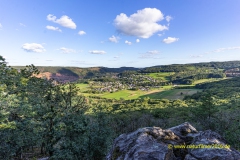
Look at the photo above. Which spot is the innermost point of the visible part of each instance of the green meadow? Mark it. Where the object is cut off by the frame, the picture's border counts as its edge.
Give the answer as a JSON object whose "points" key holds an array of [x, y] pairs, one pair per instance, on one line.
{"points": [[82, 86], [165, 92], [207, 80], [172, 94], [161, 75]]}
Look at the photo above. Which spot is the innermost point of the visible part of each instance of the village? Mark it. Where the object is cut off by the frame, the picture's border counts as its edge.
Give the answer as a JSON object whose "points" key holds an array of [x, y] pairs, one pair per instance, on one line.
{"points": [[133, 82]]}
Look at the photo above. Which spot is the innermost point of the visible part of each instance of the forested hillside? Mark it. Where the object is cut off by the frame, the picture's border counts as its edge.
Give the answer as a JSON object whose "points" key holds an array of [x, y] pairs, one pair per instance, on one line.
{"points": [[184, 72], [66, 74], [41, 118]]}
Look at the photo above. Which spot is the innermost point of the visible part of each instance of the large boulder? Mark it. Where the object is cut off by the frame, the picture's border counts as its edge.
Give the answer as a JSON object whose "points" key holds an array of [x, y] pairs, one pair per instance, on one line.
{"points": [[179, 142], [210, 145]]}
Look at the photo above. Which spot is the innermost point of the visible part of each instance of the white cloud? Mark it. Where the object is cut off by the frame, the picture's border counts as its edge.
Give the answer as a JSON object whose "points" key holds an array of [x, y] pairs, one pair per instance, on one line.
{"points": [[81, 33], [78, 61], [170, 40], [141, 24], [53, 28], [127, 42], [21, 24], [196, 56], [33, 47], [168, 18], [82, 62], [137, 40], [130, 62], [114, 39], [115, 58], [51, 17], [225, 49], [222, 50], [97, 52], [160, 35], [1, 26], [150, 54], [153, 52], [64, 21], [67, 50]]}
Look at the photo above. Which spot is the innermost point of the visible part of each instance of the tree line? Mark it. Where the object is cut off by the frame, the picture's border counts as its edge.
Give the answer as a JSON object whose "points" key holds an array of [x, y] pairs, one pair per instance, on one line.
{"points": [[40, 118]]}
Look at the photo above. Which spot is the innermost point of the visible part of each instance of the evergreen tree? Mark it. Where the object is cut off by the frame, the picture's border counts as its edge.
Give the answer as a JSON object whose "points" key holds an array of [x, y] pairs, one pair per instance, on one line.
{"points": [[204, 111]]}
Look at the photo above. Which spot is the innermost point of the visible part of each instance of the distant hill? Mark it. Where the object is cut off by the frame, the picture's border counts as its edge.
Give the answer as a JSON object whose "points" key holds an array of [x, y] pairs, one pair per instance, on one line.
{"points": [[64, 74], [70, 74]]}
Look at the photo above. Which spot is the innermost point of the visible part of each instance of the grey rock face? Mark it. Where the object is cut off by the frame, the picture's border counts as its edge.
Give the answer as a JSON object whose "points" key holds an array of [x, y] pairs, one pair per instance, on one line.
{"points": [[215, 147], [179, 142]]}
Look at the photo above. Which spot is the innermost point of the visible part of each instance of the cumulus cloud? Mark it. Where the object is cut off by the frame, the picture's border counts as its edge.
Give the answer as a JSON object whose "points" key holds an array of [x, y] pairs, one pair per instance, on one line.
{"points": [[33, 47], [67, 50], [127, 42], [170, 40], [64, 21], [53, 28], [81, 33], [168, 18], [137, 40], [113, 39], [141, 24], [150, 54], [97, 52]]}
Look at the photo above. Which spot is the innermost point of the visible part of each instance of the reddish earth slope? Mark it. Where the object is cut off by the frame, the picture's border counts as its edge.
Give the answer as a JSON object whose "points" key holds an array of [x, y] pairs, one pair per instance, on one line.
{"points": [[58, 77]]}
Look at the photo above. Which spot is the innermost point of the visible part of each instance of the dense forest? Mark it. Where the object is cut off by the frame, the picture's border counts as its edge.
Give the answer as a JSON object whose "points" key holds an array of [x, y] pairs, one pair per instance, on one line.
{"points": [[42, 118]]}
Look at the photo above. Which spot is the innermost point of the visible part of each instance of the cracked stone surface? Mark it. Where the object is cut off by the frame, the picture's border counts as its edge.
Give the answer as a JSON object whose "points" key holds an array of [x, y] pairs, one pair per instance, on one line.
{"points": [[154, 143]]}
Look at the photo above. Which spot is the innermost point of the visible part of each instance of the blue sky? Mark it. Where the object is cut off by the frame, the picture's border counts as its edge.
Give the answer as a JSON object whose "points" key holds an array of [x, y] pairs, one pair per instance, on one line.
{"points": [[116, 33]]}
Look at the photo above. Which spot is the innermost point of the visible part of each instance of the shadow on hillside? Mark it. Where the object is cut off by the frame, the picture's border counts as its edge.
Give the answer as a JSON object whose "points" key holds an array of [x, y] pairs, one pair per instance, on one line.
{"points": [[64, 75], [67, 72], [155, 95], [173, 94]]}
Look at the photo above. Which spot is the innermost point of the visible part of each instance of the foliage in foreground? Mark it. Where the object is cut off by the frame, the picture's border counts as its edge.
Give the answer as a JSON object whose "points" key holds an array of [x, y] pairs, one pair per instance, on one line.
{"points": [[36, 115], [39, 117]]}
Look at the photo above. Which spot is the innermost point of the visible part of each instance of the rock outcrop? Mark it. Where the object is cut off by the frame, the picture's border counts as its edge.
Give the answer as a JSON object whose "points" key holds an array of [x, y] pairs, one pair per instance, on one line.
{"points": [[176, 143]]}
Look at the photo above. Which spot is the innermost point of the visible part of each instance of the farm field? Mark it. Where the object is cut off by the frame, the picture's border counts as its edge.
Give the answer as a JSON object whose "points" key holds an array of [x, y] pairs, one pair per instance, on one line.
{"points": [[161, 75], [125, 94], [82, 86], [129, 94], [207, 80], [166, 92], [172, 94]]}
